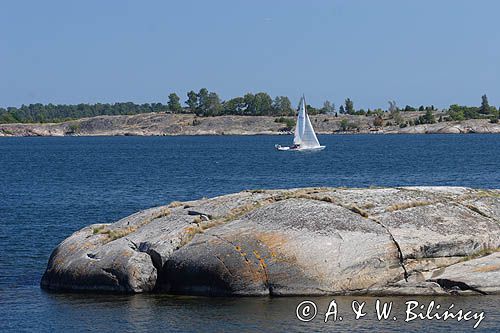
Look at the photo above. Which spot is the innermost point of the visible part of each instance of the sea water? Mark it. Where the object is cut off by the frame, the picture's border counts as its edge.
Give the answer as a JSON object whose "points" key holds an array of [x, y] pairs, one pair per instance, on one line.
{"points": [[51, 187]]}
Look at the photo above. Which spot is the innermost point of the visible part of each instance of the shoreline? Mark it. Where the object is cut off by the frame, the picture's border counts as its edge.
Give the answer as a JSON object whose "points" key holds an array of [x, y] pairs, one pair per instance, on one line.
{"points": [[164, 124], [236, 134]]}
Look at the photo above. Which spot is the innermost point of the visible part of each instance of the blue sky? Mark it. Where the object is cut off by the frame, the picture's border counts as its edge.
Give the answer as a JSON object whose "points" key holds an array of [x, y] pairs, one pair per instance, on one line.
{"points": [[415, 52]]}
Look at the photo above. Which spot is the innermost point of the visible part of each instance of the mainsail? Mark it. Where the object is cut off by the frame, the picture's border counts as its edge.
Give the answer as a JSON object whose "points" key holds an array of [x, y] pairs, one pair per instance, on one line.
{"points": [[299, 128]]}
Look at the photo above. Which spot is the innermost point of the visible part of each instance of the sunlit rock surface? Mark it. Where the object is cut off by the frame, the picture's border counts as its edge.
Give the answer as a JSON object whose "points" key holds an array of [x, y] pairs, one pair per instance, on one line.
{"points": [[312, 241]]}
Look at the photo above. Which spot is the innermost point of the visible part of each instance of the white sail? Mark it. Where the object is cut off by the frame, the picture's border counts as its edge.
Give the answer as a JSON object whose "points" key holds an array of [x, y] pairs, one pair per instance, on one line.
{"points": [[309, 139], [299, 128]]}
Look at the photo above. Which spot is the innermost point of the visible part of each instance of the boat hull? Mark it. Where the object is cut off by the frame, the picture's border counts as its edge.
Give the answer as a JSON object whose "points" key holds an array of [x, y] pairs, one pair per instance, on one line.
{"points": [[280, 148], [312, 149]]}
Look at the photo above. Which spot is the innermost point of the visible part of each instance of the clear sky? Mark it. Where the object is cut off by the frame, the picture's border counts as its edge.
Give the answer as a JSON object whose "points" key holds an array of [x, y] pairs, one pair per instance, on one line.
{"points": [[415, 52]]}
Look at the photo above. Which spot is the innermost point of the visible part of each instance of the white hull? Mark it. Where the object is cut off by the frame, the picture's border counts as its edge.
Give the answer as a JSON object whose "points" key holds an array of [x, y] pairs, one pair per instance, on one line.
{"points": [[280, 148], [312, 149]]}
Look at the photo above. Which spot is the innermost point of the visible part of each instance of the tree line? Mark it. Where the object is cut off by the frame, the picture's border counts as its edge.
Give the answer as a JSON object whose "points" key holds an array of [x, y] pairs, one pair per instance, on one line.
{"points": [[202, 103], [205, 104], [42, 113]]}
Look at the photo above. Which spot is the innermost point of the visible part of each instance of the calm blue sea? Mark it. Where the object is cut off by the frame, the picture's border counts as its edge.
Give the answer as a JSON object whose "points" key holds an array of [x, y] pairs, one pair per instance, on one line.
{"points": [[51, 187]]}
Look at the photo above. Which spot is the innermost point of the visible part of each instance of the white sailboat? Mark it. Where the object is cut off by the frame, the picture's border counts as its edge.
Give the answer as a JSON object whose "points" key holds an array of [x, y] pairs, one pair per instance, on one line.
{"points": [[304, 136]]}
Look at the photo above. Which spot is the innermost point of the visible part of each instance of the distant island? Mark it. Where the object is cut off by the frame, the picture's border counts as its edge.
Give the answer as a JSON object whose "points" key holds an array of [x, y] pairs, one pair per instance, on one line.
{"points": [[205, 114]]}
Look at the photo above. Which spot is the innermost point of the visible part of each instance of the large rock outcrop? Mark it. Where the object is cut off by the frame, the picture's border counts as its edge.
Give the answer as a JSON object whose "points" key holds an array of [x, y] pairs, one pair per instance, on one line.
{"points": [[314, 241]]}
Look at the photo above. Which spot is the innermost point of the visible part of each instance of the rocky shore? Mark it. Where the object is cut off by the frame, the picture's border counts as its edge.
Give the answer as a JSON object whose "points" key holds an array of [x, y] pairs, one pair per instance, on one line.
{"points": [[157, 124], [311, 241]]}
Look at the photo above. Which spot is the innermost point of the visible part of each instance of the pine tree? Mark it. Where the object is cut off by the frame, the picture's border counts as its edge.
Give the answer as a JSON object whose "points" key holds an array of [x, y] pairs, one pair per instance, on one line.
{"points": [[349, 106], [485, 106]]}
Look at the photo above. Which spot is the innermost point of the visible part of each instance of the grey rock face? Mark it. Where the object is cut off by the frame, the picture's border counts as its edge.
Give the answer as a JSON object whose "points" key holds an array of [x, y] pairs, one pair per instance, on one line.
{"points": [[314, 241]]}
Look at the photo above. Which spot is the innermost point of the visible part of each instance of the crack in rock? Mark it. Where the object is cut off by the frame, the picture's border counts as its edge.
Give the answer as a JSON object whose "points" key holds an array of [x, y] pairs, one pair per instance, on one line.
{"points": [[203, 216], [112, 274], [400, 252], [476, 210], [224, 265], [145, 247], [133, 244], [93, 256], [455, 286]]}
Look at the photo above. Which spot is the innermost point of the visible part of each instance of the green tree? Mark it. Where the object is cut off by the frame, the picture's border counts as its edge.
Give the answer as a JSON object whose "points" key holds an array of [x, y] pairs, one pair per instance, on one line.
{"points": [[263, 103], [209, 103], [456, 112], [249, 102], [282, 106], [429, 117], [173, 103], [259, 104], [349, 106], [235, 106], [344, 125], [341, 109], [202, 101], [311, 110], [7, 118], [213, 106], [192, 101], [495, 115], [459, 112], [485, 106]]}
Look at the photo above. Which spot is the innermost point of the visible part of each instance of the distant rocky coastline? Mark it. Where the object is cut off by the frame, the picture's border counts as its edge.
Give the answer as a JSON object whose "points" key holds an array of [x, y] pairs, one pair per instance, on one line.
{"points": [[160, 124], [308, 241]]}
